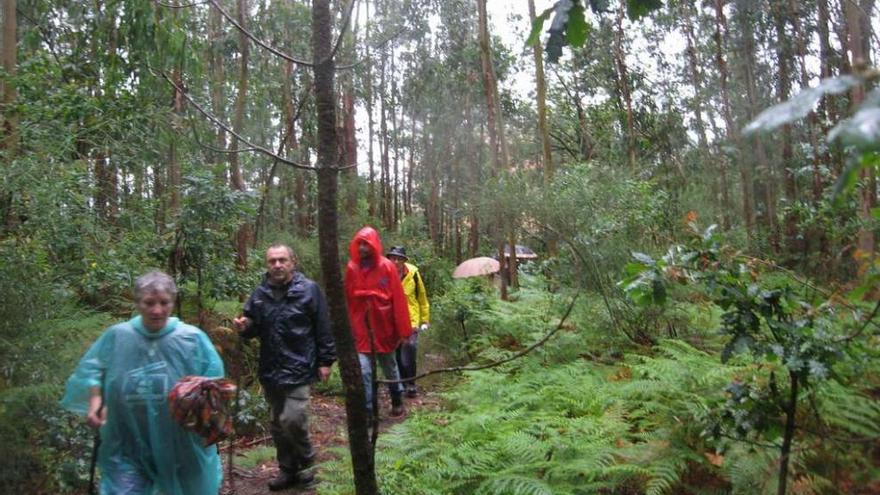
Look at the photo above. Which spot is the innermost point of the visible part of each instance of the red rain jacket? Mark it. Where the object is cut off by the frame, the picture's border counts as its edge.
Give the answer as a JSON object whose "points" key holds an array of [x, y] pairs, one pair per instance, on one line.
{"points": [[375, 298]]}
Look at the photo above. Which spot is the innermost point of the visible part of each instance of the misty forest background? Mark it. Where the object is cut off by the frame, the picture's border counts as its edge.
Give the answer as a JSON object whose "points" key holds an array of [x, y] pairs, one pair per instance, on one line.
{"points": [[706, 288]]}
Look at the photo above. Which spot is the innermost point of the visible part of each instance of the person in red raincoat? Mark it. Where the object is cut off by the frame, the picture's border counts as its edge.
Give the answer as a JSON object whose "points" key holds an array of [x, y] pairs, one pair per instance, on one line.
{"points": [[378, 312]]}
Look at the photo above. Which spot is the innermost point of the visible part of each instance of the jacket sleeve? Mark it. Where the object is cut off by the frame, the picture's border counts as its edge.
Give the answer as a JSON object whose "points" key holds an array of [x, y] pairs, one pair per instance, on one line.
{"points": [[252, 311], [399, 303], [424, 306], [89, 373], [325, 344], [212, 363]]}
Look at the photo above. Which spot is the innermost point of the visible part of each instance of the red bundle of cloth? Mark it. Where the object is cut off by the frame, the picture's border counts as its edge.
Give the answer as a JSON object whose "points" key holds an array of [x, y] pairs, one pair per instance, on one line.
{"points": [[201, 405]]}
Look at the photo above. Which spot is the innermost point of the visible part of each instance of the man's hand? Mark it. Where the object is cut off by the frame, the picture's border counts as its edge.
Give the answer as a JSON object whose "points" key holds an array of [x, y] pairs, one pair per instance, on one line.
{"points": [[241, 323], [97, 415], [324, 373]]}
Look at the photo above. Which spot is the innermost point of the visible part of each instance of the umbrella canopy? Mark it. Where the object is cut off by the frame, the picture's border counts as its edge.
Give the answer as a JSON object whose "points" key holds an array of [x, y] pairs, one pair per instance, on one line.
{"points": [[475, 267], [522, 252]]}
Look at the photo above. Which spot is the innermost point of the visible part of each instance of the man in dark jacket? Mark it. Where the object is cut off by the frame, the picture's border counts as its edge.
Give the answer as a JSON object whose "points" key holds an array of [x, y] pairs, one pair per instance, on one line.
{"points": [[288, 313]]}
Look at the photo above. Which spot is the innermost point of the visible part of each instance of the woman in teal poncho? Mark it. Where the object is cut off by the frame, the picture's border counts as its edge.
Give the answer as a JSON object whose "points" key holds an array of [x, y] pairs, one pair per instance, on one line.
{"points": [[122, 384]]}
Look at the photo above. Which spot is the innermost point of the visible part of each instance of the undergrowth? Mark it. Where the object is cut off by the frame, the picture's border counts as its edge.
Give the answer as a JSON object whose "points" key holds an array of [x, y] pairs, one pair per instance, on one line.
{"points": [[567, 420]]}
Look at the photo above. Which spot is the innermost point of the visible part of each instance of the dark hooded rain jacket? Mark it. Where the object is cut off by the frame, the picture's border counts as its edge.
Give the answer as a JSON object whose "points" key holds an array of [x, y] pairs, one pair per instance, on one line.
{"points": [[294, 332]]}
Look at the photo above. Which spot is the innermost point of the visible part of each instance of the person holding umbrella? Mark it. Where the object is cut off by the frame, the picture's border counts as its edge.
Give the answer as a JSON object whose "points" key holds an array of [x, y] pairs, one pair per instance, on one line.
{"points": [[419, 315]]}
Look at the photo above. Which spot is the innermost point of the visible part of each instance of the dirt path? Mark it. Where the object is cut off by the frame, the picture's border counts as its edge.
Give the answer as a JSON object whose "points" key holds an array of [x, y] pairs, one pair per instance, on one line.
{"points": [[328, 429]]}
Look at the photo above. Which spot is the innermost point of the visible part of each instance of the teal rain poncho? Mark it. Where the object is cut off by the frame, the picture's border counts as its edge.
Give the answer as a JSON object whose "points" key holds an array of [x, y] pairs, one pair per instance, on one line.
{"points": [[136, 369]]}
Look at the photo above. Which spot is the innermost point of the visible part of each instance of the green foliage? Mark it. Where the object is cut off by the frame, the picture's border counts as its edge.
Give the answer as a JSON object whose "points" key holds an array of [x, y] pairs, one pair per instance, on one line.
{"points": [[570, 27], [803, 347], [36, 436], [253, 458]]}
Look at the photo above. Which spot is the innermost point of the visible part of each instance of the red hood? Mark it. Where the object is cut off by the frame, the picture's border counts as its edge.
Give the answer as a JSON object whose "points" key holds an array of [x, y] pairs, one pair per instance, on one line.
{"points": [[370, 235]]}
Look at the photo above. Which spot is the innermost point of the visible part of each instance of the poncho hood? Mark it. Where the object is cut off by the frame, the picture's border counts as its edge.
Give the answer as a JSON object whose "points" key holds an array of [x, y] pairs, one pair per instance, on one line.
{"points": [[369, 235]]}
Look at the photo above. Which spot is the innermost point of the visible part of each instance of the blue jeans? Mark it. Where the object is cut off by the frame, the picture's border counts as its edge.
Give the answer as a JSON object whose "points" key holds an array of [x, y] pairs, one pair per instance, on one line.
{"points": [[406, 358], [389, 370]]}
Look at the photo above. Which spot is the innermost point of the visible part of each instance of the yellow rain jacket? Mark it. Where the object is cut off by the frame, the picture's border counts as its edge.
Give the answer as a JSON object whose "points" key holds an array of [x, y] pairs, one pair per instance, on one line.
{"points": [[416, 296]]}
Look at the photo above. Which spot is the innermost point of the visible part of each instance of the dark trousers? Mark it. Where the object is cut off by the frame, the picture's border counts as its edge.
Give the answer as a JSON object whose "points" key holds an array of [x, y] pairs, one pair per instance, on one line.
{"points": [[406, 358], [290, 427]]}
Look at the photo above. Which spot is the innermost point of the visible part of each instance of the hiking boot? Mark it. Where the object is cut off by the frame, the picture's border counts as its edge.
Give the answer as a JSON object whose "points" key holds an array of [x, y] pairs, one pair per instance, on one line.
{"points": [[411, 392], [285, 479], [397, 409]]}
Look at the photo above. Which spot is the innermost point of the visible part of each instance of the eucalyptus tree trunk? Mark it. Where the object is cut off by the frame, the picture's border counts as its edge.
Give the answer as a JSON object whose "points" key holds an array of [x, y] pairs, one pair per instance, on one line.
{"points": [[796, 14], [764, 183], [369, 97], [216, 69], [236, 176], [731, 130], [784, 58], [623, 87], [384, 144], [859, 34], [489, 84], [408, 207], [395, 129], [826, 111], [9, 124], [290, 144], [302, 199], [175, 175], [348, 142], [496, 130], [720, 36], [541, 90], [363, 463]]}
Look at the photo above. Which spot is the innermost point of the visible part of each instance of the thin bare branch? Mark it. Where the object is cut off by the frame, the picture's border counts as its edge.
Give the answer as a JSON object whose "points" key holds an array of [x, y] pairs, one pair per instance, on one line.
{"points": [[343, 28], [228, 129], [518, 355], [181, 6], [256, 40]]}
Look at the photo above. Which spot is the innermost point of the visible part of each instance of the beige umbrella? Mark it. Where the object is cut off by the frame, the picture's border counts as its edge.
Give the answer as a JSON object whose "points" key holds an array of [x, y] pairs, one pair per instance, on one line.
{"points": [[475, 267]]}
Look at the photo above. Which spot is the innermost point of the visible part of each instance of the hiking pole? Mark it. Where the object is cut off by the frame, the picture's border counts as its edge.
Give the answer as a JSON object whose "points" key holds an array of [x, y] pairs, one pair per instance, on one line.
{"points": [[236, 409], [95, 446]]}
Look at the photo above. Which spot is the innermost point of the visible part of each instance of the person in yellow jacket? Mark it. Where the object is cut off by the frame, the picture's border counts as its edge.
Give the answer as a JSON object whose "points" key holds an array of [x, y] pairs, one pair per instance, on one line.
{"points": [[419, 314]]}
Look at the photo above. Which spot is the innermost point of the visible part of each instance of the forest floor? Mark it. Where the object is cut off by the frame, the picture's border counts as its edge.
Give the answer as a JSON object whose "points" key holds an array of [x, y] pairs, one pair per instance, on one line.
{"points": [[328, 429]]}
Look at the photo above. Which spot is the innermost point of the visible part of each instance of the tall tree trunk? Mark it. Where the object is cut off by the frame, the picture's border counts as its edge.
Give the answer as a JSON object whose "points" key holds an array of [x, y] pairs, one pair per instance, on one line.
{"points": [[859, 34], [348, 141], [488, 73], [243, 235], [384, 144], [411, 166], [764, 182], [9, 133], [498, 149], [720, 36], [783, 91], [395, 129], [216, 68], [175, 175], [827, 106], [546, 157], [363, 463], [623, 86], [732, 132]]}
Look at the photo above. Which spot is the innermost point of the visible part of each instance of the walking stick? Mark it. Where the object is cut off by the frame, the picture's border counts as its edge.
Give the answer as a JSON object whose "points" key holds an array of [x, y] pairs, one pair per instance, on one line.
{"points": [[95, 446], [230, 459]]}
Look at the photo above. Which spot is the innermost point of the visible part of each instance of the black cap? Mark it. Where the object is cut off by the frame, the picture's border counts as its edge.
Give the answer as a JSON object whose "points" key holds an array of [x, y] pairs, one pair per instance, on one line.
{"points": [[399, 251]]}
